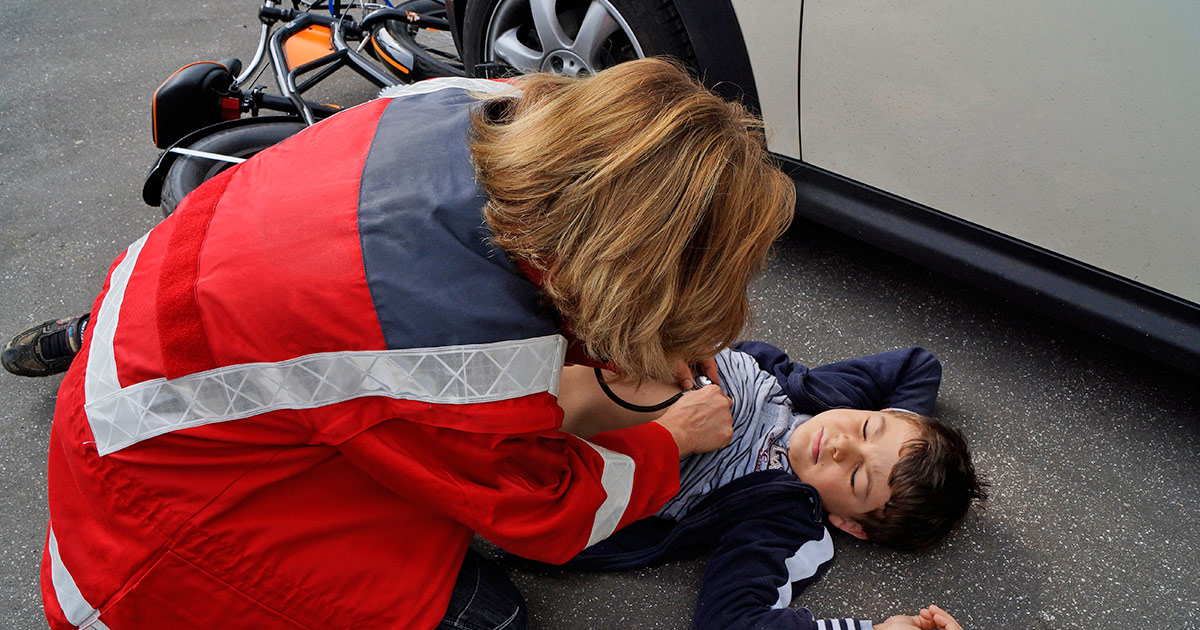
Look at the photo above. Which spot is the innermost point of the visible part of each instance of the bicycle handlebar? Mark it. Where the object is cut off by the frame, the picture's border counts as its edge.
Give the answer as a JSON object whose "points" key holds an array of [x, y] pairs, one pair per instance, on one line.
{"points": [[416, 19], [350, 27], [275, 14]]}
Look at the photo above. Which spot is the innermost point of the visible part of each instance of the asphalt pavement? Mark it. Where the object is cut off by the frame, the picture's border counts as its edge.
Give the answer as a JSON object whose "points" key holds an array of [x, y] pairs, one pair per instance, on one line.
{"points": [[1090, 449]]}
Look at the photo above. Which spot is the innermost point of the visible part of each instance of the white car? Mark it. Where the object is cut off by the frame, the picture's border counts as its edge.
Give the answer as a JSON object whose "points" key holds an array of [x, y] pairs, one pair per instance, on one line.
{"points": [[1049, 152]]}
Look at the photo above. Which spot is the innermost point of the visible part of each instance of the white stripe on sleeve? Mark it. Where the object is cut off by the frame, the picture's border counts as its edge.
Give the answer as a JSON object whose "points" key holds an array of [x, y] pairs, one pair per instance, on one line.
{"points": [[844, 624], [804, 564], [617, 480]]}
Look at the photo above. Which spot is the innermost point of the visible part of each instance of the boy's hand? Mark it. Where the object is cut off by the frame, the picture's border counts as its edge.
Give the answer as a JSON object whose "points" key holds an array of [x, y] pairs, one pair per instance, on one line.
{"points": [[938, 619], [902, 622], [700, 421], [931, 618], [683, 372]]}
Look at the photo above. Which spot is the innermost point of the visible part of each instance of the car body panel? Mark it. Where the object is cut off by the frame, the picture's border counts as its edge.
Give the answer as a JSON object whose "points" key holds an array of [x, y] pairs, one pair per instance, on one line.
{"points": [[771, 31], [1071, 125]]}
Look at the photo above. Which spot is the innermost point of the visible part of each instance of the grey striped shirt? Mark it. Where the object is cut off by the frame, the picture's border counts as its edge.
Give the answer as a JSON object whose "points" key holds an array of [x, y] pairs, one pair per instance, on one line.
{"points": [[763, 422]]}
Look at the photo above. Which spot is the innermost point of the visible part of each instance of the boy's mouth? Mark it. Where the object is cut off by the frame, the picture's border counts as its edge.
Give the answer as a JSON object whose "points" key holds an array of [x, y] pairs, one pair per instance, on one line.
{"points": [[816, 445]]}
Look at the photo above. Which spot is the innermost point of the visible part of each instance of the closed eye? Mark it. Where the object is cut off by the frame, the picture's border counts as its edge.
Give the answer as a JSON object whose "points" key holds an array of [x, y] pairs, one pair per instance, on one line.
{"points": [[865, 423], [853, 475]]}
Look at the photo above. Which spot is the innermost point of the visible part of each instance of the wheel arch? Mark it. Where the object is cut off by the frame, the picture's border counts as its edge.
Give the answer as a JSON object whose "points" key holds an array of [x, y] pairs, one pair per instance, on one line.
{"points": [[721, 57]]}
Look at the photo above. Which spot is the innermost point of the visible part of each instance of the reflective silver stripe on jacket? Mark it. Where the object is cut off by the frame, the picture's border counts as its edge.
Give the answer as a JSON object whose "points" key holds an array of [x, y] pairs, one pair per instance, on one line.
{"points": [[466, 374], [449, 375], [101, 377], [78, 611], [617, 479]]}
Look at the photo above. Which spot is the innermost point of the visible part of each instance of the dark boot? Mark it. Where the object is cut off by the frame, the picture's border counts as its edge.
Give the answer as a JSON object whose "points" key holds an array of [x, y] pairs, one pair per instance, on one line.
{"points": [[45, 349]]}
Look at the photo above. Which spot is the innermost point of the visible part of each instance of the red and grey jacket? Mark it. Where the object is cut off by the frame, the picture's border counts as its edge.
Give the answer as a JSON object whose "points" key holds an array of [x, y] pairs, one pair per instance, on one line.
{"points": [[301, 394]]}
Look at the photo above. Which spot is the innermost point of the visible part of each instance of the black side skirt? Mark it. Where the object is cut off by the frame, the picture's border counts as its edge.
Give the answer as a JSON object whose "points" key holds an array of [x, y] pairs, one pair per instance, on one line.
{"points": [[1145, 319]]}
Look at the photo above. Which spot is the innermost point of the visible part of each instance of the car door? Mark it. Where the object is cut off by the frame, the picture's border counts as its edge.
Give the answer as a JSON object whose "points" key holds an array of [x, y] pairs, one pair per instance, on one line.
{"points": [[1046, 151]]}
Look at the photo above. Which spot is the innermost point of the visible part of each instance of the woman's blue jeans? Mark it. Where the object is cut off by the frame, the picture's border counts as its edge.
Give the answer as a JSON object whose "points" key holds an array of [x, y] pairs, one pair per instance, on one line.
{"points": [[483, 598]]}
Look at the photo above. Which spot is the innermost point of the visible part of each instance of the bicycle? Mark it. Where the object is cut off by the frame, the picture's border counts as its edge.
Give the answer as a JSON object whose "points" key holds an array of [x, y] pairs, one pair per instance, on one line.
{"points": [[197, 116]]}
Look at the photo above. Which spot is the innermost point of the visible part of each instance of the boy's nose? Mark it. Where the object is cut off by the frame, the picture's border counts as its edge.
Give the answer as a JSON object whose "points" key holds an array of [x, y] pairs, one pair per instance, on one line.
{"points": [[838, 448], [841, 447]]}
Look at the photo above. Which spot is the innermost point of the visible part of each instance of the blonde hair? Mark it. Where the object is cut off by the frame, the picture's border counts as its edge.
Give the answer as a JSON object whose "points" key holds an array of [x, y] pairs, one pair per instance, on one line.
{"points": [[647, 202]]}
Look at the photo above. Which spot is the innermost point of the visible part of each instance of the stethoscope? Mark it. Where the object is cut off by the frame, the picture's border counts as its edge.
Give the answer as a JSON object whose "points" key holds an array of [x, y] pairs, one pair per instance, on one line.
{"points": [[701, 381]]}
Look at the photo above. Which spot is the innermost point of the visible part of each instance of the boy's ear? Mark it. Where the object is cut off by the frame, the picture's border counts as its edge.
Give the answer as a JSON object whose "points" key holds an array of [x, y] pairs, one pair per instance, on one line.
{"points": [[850, 526]]}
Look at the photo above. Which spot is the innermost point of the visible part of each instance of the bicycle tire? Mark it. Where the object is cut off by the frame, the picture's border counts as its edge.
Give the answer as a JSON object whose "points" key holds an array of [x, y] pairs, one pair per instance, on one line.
{"points": [[392, 39]]}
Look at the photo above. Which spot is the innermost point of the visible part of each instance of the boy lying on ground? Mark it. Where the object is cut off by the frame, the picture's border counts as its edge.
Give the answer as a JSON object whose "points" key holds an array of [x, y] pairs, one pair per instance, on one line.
{"points": [[806, 444], [847, 444]]}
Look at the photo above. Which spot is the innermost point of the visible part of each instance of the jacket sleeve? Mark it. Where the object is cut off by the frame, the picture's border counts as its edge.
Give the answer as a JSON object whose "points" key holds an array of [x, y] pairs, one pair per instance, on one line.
{"points": [[906, 379], [544, 495], [755, 571]]}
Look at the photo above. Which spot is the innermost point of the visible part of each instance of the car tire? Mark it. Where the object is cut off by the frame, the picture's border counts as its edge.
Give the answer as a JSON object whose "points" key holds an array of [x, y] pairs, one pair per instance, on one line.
{"points": [[188, 172], [503, 31]]}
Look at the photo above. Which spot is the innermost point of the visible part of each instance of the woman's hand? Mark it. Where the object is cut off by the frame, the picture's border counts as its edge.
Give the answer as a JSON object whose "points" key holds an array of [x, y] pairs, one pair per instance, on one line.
{"points": [[683, 372], [700, 421]]}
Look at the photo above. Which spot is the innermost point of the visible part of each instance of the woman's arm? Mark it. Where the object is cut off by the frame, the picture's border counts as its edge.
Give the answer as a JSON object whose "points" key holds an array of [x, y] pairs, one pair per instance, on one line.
{"points": [[588, 411], [543, 495]]}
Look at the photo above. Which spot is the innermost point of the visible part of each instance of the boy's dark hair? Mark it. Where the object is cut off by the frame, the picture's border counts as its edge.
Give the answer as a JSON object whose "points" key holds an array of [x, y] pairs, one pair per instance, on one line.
{"points": [[933, 486]]}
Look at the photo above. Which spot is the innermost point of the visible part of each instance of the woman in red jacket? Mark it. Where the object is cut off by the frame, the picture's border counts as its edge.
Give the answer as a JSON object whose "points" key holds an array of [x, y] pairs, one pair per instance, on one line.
{"points": [[300, 396]]}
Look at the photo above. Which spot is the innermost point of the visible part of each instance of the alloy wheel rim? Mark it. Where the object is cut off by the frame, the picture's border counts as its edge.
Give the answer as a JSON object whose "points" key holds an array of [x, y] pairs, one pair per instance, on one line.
{"points": [[580, 40]]}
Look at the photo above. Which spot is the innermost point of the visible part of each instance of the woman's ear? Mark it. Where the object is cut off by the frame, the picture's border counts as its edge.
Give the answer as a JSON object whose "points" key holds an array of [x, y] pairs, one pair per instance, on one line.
{"points": [[850, 526]]}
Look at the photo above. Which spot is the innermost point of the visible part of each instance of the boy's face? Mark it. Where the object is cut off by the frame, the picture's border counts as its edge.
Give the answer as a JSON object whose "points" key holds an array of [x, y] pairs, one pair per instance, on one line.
{"points": [[848, 456]]}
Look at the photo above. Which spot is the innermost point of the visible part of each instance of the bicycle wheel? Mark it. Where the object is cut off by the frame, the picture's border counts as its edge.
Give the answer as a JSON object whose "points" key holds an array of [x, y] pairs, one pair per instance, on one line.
{"points": [[188, 172], [412, 53]]}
